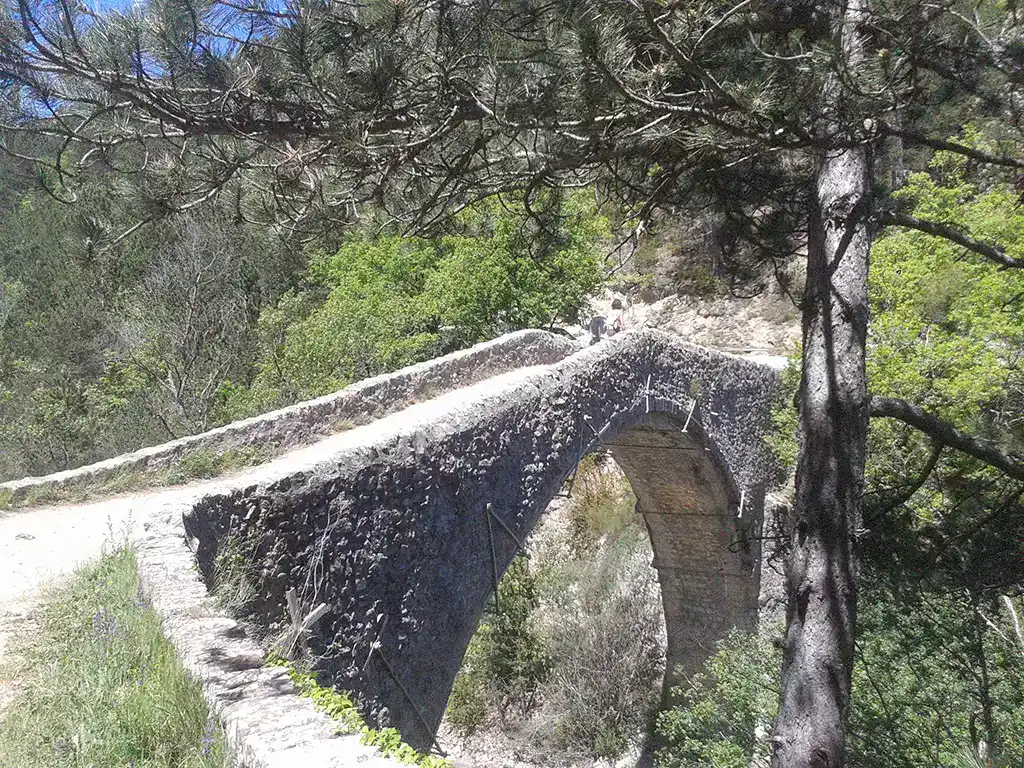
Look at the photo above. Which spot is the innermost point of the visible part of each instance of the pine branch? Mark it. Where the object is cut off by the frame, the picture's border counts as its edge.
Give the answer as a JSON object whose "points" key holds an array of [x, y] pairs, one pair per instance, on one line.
{"points": [[906, 494], [947, 434], [914, 137], [937, 229]]}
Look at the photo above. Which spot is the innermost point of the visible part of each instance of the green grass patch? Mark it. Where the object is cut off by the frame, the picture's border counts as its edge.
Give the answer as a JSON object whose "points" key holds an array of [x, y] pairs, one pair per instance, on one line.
{"points": [[103, 686], [205, 464], [338, 705]]}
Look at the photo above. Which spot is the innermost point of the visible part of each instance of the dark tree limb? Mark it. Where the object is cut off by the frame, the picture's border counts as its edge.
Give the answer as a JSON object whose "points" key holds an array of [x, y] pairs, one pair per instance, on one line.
{"points": [[989, 251], [915, 137], [947, 434], [905, 494]]}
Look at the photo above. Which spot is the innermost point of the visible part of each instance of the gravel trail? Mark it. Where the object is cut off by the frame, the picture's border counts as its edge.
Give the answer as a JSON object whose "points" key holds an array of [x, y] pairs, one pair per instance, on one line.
{"points": [[40, 545]]}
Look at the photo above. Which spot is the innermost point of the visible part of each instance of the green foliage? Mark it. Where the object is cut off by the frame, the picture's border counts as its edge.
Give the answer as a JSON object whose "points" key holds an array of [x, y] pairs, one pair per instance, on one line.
{"points": [[512, 655], [392, 301], [945, 325], [338, 706], [929, 670], [947, 332], [600, 505], [468, 703], [604, 631], [577, 639], [937, 667], [108, 347], [506, 661], [375, 318], [103, 686], [204, 463], [334, 703], [716, 722], [235, 581], [200, 319], [782, 435], [389, 742]]}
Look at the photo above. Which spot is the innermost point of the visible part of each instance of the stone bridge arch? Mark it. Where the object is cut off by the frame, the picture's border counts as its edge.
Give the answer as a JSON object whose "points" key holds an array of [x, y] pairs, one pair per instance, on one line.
{"points": [[388, 524]]}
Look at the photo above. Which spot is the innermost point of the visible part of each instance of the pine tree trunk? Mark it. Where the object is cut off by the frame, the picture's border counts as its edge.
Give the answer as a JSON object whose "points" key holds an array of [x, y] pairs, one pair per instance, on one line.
{"points": [[822, 567]]}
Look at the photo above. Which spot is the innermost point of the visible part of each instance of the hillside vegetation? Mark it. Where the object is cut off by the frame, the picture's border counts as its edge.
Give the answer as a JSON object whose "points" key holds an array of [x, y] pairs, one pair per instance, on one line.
{"points": [[204, 319]]}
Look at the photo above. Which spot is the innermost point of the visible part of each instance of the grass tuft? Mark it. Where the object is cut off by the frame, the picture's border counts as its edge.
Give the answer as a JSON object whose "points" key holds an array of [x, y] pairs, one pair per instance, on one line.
{"points": [[103, 686], [338, 706], [189, 466]]}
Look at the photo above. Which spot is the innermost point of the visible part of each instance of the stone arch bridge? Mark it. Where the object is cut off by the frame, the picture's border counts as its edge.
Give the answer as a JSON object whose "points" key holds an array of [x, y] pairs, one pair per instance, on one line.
{"points": [[402, 526]]}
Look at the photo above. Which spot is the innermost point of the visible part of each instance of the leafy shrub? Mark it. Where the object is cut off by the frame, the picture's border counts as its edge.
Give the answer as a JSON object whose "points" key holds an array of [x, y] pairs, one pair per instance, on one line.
{"points": [[717, 722], [605, 632], [512, 654], [194, 464], [782, 435], [469, 702], [917, 697], [380, 303], [578, 641], [389, 742], [235, 582], [506, 661]]}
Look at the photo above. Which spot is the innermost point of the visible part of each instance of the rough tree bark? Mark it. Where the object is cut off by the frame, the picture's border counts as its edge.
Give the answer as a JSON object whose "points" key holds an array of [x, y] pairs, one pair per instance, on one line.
{"points": [[821, 570]]}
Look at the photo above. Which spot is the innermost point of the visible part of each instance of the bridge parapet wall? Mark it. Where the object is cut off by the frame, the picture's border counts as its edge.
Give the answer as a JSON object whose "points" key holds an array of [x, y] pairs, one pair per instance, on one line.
{"points": [[305, 422], [399, 526]]}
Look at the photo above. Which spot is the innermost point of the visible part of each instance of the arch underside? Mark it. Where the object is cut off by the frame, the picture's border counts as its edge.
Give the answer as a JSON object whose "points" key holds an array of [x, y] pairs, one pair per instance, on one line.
{"points": [[704, 552]]}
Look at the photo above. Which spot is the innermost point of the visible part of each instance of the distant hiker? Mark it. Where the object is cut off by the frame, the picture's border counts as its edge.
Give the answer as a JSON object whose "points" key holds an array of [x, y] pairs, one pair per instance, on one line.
{"points": [[619, 324], [597, 326]]}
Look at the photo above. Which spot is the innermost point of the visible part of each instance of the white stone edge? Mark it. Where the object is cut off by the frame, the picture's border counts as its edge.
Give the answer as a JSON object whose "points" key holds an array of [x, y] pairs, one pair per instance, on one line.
{"points": [[267, 724], [282, 422]]}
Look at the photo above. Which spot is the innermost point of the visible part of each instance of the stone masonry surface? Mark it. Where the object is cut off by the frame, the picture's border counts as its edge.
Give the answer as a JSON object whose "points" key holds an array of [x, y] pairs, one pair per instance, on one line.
{"points": [[398, 526]]}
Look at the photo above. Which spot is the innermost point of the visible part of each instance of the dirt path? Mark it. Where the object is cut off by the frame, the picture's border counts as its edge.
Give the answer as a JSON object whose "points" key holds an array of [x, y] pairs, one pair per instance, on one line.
{"points": [[39, 546]]}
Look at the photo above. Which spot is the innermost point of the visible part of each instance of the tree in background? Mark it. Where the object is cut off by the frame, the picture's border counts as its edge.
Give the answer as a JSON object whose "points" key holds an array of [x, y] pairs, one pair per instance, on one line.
{"points": [[380, 303], [107, 350], [770, 114], [938, 672]]}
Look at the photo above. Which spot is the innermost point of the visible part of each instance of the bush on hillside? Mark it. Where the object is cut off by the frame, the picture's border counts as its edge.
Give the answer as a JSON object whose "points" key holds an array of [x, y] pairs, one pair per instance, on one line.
{"points": [[606, 637], [380, 303]]}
